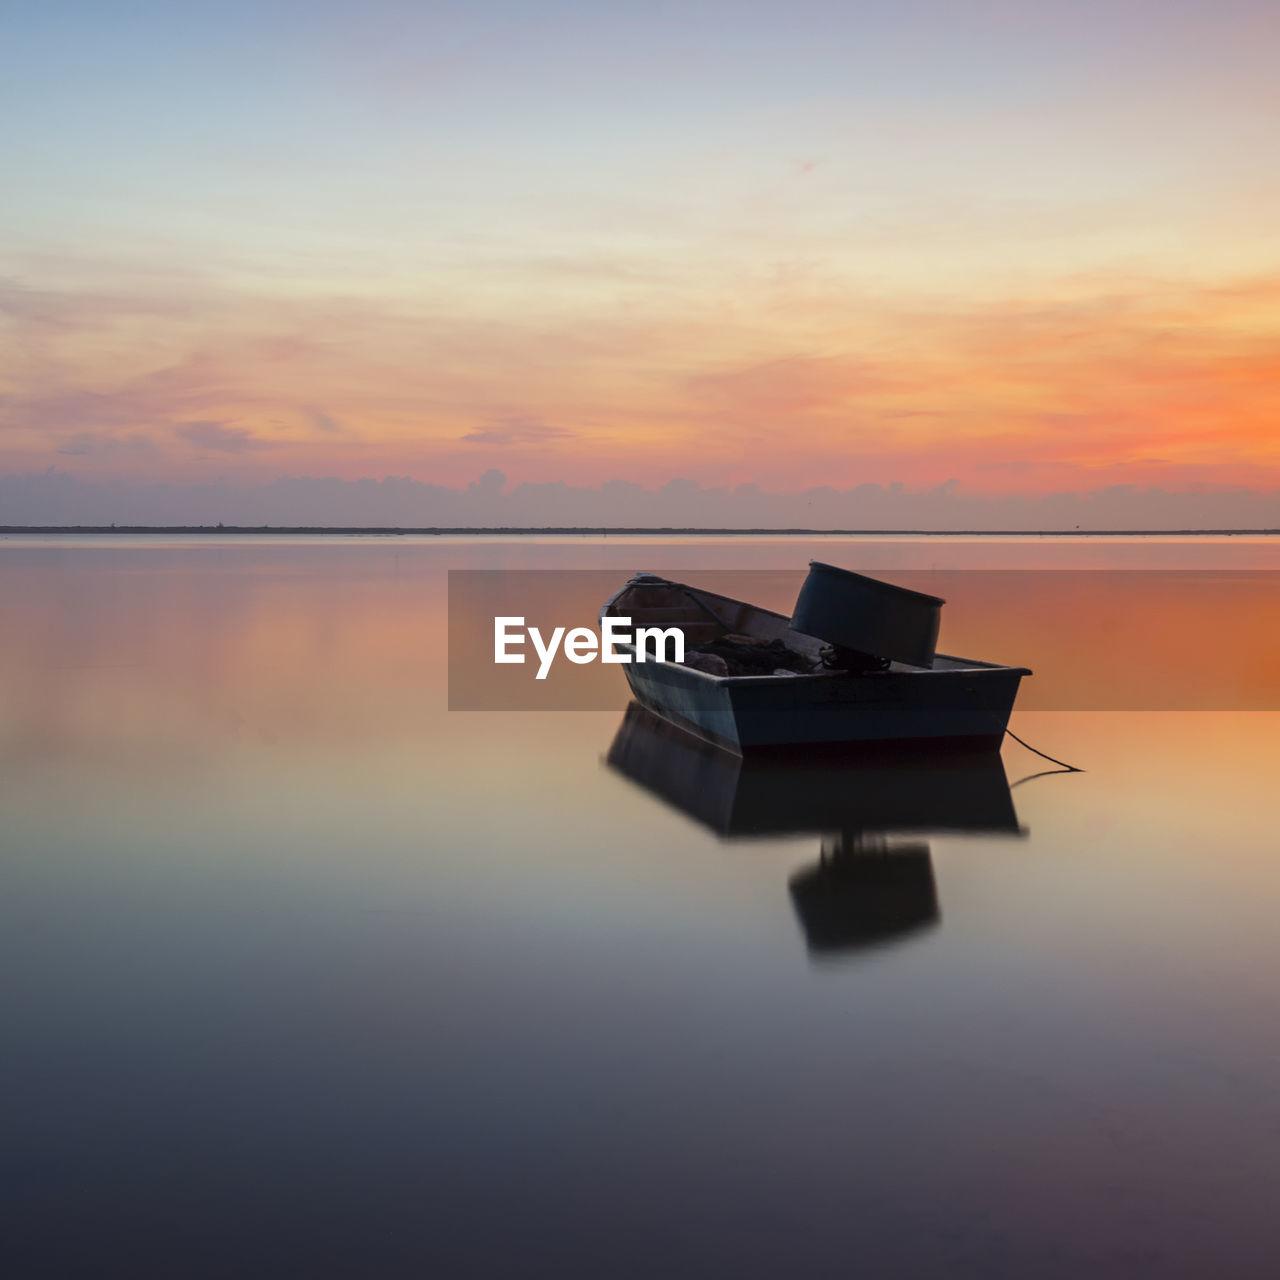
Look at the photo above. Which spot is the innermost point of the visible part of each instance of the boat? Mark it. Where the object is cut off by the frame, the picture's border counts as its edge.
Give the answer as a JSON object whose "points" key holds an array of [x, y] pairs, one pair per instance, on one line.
{"points": [[837, 694], [873, 881]]}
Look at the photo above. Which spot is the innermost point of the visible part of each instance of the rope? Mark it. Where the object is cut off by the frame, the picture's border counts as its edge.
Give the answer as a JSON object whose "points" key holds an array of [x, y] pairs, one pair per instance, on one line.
{"points": [[1070, 768], [1043, 773]]}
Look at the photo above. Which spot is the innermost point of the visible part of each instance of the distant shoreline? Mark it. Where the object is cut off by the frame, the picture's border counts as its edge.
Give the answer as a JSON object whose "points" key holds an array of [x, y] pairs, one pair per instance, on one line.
{"points": [[597, 532]]}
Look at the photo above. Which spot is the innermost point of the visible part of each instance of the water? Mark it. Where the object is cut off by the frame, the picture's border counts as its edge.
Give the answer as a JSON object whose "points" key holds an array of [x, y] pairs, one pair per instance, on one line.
{"points": [[304, 975]]}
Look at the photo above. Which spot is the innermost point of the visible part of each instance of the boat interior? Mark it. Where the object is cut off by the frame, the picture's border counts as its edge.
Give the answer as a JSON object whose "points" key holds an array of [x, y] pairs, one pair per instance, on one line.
{"points": [[703, 616]]}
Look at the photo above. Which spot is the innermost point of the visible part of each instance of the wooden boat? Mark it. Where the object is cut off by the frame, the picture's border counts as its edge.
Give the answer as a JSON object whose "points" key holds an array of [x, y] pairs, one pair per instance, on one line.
{"points": [[952, 702]]}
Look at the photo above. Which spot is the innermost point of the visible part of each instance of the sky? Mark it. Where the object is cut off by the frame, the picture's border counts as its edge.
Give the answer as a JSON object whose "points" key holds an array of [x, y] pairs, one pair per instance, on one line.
{"points": [[1017, 252]]}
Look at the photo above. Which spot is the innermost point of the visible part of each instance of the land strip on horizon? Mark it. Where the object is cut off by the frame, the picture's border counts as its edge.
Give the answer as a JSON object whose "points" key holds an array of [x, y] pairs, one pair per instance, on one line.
{"points": [[637, 531]]}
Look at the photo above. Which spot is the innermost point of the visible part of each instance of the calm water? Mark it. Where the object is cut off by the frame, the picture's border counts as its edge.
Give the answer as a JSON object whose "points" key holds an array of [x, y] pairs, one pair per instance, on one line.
{"points": [[304, 975]]}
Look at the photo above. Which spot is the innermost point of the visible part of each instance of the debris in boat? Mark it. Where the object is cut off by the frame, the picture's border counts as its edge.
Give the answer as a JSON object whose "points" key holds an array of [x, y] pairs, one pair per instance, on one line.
{"points": [[748, 656], [712, 663], [850, 661]]}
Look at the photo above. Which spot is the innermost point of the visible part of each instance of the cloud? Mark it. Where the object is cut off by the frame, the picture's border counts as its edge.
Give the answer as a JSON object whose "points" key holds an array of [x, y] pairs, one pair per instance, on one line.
{"points": [[323, 421], [792, 382], [517, 430], [52, 497], [491, 483], [38, 312], [84, 443], [151, 398], [72, 407], [220, 438], [793, 385]]}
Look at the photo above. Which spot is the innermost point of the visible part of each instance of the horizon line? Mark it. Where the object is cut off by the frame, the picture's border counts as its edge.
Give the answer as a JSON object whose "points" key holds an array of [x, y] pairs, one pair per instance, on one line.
{"points": [[603, 530]]}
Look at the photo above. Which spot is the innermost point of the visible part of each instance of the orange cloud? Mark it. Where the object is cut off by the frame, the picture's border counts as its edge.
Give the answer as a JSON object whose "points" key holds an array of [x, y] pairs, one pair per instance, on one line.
{"points": [[1150, 383]]}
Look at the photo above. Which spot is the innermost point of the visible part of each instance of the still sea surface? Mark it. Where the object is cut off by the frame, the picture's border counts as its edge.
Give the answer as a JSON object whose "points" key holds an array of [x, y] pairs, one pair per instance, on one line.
{"points": [[304, 975]]}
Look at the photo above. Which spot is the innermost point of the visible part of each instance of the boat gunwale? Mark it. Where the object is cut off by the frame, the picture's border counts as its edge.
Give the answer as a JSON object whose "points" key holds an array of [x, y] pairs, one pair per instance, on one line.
{"points": [[968, 666]]}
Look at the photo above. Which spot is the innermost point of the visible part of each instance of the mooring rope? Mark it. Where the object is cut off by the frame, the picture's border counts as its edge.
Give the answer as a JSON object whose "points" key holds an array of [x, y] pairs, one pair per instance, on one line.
{"points": [[1070, 768]]}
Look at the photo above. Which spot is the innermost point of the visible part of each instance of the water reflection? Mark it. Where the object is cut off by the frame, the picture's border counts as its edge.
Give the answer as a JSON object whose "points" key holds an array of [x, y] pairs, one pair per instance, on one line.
{"points": [[864, 892], [303, 975], [869, 886]]}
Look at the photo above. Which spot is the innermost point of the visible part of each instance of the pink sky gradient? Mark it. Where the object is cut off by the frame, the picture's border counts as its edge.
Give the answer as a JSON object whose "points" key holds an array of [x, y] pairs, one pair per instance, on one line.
{"points": [[975, 246]]}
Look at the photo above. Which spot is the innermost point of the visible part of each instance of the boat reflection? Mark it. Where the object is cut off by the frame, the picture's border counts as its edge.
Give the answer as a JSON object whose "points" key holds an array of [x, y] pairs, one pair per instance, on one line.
{"points": [[873, 882], [861, 893]]}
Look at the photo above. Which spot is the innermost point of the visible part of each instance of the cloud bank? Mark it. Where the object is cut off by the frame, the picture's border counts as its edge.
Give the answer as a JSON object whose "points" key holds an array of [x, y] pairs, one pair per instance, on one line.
{"points": [[54, 497]]}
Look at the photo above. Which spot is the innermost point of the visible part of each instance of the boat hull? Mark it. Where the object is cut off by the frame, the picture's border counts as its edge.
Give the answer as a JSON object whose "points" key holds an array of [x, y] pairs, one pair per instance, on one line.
{"points": [[966, 708]]}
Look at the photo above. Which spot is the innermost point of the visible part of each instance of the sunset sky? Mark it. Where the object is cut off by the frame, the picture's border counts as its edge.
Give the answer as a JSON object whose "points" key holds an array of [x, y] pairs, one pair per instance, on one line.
{"points": [[1019, 246]]}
